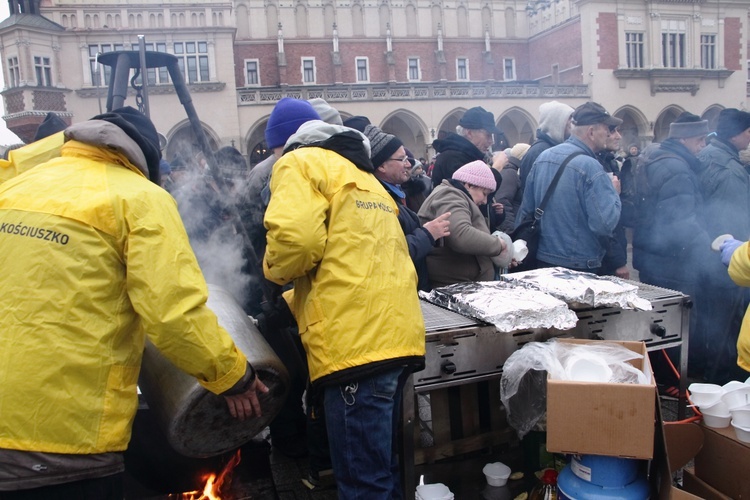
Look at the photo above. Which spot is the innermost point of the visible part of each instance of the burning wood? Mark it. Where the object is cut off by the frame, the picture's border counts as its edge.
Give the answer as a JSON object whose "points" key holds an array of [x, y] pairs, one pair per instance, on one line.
{"points": [[214, 484]]}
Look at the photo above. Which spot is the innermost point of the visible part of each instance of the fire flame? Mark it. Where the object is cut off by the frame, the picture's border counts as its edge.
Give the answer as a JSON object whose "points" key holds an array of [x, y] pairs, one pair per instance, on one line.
{"points": [[212, 489]]}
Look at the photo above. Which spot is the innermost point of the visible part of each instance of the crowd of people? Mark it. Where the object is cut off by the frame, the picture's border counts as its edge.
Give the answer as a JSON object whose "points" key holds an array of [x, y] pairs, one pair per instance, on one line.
{"points": [[325, 244]]}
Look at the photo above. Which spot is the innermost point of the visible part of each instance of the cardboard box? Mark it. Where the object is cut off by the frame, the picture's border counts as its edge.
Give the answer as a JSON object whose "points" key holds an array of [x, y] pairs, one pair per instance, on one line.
{"points": [[724, 462], [697, 487], [603, 418]]}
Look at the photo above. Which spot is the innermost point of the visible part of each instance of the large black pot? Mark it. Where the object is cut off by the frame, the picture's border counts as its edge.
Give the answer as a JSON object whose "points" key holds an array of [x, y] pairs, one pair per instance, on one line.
{"points": [[195, 421]]}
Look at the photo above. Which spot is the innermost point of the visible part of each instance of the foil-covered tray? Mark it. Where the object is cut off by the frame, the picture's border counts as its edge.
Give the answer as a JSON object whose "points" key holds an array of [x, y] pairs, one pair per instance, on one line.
{"points": [[507, 306], [579, 289]]}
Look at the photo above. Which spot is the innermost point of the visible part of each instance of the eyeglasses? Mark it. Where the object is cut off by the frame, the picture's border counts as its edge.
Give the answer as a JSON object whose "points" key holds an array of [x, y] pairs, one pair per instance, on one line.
{"points": [[400, 160]]}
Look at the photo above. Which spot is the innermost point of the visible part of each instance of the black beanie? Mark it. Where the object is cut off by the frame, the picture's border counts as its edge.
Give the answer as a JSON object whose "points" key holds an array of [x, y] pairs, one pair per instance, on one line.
{"points": [[382, 145], [139, 128], [51, 124], [732, 122]]}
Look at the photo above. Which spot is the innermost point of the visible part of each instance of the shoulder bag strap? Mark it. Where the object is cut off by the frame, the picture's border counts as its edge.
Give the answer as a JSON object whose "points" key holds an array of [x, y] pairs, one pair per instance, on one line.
{"points": [[540, 209]]}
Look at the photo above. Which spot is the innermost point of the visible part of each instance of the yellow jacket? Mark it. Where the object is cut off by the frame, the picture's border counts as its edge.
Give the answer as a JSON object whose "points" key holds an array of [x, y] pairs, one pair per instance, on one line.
{"points": [[22, 159], [94, 256], [739, 271], [334, 231]]}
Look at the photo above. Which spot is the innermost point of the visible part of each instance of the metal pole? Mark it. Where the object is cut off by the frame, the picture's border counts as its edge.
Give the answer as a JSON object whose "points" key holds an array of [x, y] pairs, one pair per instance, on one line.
{"points": [[144, 74], [119, 83], [97, 76]]}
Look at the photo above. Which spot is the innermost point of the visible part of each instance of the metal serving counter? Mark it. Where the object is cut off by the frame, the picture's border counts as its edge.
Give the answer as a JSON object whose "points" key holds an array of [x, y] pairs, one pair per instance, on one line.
{"points": [[461, 350]]}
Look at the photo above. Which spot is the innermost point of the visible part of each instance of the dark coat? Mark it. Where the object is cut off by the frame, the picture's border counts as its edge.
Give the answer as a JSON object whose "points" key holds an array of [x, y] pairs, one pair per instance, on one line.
{"points": [[509, 194], [419, 239], [454, 152], [617, 245], [670, 241], [542, 143]]}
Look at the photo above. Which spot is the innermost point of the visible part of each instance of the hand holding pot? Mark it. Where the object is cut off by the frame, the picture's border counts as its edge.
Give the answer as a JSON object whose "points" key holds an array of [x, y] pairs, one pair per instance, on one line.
{"points": [[244, 405]]}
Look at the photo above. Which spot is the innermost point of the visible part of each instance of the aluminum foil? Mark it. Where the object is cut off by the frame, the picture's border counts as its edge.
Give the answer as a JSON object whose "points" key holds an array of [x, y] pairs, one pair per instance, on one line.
{"points": [[578, 289], [507, 306]]}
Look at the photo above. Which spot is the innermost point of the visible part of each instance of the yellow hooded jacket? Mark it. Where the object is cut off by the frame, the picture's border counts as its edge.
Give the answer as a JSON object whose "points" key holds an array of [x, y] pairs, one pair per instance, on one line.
{"points": [[334, 231], [95, 256], [739, 271], [22, 159]]}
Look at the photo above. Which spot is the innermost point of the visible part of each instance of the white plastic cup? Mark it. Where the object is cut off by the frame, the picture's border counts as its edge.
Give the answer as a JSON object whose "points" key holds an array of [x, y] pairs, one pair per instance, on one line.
{"points": [[588, 369], [497, 473], [435, 491]]}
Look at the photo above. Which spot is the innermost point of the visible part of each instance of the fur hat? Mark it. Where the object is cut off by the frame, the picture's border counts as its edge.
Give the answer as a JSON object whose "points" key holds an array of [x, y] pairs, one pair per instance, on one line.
{"points": [[285, 119], [382, 145], [553, 118], [327, 113], [688, 125], [476, 173], [732, 122], [139, 128]]}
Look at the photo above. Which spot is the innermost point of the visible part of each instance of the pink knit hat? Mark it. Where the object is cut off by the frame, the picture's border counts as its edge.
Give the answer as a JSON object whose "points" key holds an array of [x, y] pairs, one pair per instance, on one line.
{"points": [[476, 173]]}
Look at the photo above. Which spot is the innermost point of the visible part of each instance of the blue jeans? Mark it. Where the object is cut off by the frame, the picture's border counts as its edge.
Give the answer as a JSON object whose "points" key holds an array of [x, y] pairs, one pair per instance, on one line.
{"points": [[362, 418]]}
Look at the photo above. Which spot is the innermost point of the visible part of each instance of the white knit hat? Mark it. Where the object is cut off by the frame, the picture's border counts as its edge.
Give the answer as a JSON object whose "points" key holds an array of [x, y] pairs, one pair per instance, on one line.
{"points": [[476, 173]]}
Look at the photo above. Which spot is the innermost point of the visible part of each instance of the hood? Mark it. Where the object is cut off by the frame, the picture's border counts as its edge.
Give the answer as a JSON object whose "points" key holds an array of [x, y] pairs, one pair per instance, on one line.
{"points": [[348, 142], [107, 135], [455, 141], [315, 131]]}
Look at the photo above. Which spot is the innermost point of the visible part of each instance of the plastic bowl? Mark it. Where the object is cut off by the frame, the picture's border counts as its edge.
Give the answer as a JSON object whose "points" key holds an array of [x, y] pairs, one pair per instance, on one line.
{"points": [[737, 398], [732, 385], [435, 491], [741, 416], [588, 369], [705, 394], [743, 433], [717, 421], [497, 473], [719, 408]]}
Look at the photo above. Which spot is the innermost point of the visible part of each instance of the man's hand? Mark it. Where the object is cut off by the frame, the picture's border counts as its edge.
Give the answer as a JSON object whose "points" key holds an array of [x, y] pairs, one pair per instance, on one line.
{"points": [[498, 207], [616, 183], [727, 249], [623, 272], [245, 405], [439, 227]]}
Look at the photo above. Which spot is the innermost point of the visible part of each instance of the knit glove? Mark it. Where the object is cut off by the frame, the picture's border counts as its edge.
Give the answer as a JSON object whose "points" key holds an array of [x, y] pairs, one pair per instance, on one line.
{"points": [[505, 257], [727, 249]]}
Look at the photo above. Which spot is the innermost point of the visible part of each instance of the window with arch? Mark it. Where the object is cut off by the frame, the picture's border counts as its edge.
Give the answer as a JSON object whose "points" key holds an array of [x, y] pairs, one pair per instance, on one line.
{"points": [[463, 21], [384, 18], [411, 20], [300, 19], [329, 17], [358, 23]]}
